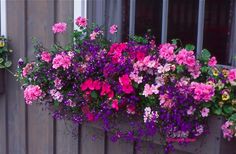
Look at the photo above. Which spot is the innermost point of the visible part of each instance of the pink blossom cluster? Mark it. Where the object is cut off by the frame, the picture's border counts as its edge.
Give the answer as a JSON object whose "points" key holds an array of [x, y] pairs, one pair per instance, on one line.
{"points": [[58, 83], [149, 115], [165, 101], [59, 27], [56, 95], [91, 85], [202, 92], [32, 93], [205, 112], [80, 21], [232, 76], [126, 84], [94, 34], [143, 64], [212, 62], [61, 60], [27, 69], [199, 130], [150, 89], [113, 29], [227, 130], [46, 56], [166, 51], [185, 57], [116, 51]]}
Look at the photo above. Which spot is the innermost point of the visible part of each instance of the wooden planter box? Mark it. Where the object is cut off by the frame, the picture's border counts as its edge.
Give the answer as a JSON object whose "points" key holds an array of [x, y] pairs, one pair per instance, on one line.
{"points": [[213, 143]]}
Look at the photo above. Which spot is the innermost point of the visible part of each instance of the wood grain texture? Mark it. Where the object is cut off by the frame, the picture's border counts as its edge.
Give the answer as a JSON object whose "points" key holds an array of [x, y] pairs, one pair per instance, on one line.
{"points": [[29, 130], [16, 109], [92, 140], [119, 147], [66, 132], [3, 122], [40, 18]]}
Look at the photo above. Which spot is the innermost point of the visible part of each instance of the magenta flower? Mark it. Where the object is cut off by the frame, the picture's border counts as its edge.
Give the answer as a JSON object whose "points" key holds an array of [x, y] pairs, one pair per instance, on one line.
{"points": [[80, 21], [61, 60], [205, 111], [32, 93], [115, 104], [212, 62], [46, 56], [113, 29], [59, 27]]}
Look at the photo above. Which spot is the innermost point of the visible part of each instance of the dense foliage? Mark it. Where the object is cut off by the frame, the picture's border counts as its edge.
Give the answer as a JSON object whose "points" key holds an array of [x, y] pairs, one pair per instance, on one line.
{"points": [[167, 86]]}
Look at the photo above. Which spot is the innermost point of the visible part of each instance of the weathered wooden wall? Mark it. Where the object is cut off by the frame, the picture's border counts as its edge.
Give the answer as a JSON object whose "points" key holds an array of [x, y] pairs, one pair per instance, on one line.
{"points": [[28, 129]]}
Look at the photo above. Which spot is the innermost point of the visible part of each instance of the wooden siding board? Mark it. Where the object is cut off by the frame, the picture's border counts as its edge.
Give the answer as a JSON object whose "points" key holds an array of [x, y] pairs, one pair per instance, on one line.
{"points": [[3, 129], [119, 147], [66, 140], [92, 140], [16, 110], [40, 15]]}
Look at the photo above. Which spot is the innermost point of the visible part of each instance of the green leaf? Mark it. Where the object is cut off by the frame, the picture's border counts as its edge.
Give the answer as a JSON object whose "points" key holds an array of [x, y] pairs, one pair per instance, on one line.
{"points": [[179, 69], [205, 55], [56, 104], [135, 85], [1, 60], [94, 95], [232, 117], [2, 66], [8, 63], [217, 111], [204, 69], [189, 47], [228, 109], [207, 105], [174, 41]]}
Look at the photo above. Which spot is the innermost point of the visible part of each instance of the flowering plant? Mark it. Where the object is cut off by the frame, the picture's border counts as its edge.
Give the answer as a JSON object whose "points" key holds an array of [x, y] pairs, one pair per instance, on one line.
{"points": [[94, 79], [4, 53]]}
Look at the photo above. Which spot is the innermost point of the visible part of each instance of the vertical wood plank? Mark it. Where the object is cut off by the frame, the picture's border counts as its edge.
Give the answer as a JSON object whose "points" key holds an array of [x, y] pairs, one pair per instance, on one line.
{"points": [[3, 122], [92, 140], [149, 148], [40, 15], [119, 147], [66, 141], [16, 110], [66, 138]]}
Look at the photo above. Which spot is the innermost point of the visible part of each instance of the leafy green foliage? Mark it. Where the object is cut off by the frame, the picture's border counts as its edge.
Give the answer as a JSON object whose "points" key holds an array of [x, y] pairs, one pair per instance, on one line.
{"points": [[205, 55]]}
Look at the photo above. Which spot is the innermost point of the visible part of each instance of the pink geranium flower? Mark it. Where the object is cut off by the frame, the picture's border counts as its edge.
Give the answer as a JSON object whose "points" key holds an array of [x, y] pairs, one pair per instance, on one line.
{"points": [[59, 27], [115, 104], [212, 62], [202, 92], [27, 69], [61, 60], [80, 21], [113, 29], [166, 51], [46, 56], [131, 109], [88, 84], [205, 111], [126, 84], [32, 93], [232, 75]]}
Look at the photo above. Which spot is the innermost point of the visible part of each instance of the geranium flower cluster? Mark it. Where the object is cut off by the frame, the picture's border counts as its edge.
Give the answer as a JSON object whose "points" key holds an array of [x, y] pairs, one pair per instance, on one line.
{"points": [[172, 91]]}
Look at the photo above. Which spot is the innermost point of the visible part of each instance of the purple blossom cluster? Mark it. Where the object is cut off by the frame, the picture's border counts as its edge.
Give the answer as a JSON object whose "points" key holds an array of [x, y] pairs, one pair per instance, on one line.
{"points": [[160, 90]]}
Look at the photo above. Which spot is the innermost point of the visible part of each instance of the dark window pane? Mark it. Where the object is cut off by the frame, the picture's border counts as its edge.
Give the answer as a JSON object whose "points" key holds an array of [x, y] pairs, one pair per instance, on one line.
{"points": [[182, 20], [217, 28], [148, 16]]}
